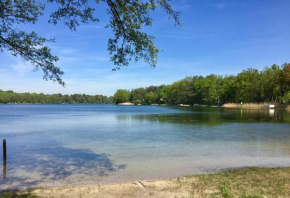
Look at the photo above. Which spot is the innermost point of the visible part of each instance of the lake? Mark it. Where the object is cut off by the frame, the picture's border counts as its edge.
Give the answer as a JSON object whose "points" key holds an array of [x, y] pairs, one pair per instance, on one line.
{"points": [[63, 145]]}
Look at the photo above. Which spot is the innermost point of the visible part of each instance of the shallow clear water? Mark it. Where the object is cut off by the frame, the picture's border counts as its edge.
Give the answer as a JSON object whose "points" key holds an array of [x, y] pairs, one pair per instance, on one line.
{"points": [[53, 145]]}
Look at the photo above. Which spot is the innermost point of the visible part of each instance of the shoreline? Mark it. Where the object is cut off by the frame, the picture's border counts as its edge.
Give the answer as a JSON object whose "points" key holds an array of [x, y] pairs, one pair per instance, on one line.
{"points": [[250, 106], [243, 182]]}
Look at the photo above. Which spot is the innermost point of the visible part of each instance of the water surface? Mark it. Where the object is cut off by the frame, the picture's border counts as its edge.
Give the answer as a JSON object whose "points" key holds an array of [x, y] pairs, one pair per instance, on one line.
{"points": [[60, 145]]}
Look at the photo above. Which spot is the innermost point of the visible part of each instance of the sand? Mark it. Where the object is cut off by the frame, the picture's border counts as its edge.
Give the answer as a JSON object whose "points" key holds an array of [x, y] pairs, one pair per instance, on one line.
{"points": [[126, 103], [247, 105], [175, 188]]}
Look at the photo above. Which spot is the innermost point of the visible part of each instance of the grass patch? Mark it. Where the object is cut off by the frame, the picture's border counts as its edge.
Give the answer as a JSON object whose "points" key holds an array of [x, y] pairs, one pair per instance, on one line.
{"points": [[17, 195], [226, 192], [244, 183]]}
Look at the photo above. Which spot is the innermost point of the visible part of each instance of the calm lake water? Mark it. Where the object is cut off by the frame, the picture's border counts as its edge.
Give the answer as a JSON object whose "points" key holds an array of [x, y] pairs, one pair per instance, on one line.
{"points": [[60, 145]]}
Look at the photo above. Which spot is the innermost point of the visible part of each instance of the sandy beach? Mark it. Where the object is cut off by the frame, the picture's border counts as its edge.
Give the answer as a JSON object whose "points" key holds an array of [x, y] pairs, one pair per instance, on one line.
{"points": [[160, 188], [244, 182], [126, 104]]}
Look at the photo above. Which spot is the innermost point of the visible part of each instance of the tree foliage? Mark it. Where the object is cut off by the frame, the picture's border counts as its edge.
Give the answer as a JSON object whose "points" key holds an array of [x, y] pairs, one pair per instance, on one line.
{"points": [[30, 46], [121, 95], [269, 85], [32, 98], [127, 20]]}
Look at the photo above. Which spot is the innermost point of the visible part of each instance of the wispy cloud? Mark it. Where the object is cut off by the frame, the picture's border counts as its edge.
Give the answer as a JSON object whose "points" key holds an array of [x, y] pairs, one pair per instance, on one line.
{"points": [[181, 7], [22, 68], [95, 26], [220, 5], [67, 51], [181, 33]]}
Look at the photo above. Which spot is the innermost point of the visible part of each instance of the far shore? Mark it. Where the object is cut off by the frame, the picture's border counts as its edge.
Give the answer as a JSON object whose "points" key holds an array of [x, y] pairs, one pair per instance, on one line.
{"points": [[244, 182], [249, 106]]}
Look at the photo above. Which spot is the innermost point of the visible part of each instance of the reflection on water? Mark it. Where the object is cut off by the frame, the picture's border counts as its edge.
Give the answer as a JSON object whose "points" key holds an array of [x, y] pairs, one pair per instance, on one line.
{"points": [[4, 158], [4, 167], [64, 144], [212, 116]]}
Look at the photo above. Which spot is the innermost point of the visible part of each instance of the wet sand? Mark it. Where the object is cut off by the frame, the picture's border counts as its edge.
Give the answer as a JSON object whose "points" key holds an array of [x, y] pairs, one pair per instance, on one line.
{"points": [[155, 170]]}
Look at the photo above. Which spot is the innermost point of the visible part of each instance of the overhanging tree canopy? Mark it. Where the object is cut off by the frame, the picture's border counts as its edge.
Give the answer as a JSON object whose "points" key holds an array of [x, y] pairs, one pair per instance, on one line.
{"points": [[127, 18]]}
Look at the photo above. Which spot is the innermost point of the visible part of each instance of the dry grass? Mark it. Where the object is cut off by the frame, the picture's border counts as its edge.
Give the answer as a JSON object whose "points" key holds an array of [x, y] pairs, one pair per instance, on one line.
{"points": [[243, 183]]}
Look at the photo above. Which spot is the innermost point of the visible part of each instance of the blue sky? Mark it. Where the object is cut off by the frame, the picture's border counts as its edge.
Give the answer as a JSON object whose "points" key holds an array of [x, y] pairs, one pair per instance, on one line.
{"points": [[219, 37]]}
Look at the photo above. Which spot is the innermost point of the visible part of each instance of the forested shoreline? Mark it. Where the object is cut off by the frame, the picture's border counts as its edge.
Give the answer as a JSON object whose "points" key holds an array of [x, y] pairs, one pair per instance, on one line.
{"points": [[272, 84], [10, 97]]}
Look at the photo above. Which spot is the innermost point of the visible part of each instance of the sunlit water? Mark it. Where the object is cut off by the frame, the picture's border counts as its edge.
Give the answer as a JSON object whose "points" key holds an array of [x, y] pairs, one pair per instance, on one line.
{"points": [[60, 145]]}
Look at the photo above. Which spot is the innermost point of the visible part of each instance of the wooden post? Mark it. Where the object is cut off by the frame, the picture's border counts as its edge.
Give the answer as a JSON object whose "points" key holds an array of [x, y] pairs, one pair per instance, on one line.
{"points": [[4, 158], [4, 150]]}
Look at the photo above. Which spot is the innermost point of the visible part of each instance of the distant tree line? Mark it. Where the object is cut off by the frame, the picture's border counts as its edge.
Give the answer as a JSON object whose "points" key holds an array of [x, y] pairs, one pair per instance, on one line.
{"points": [[33, 98], [272, 84]]}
